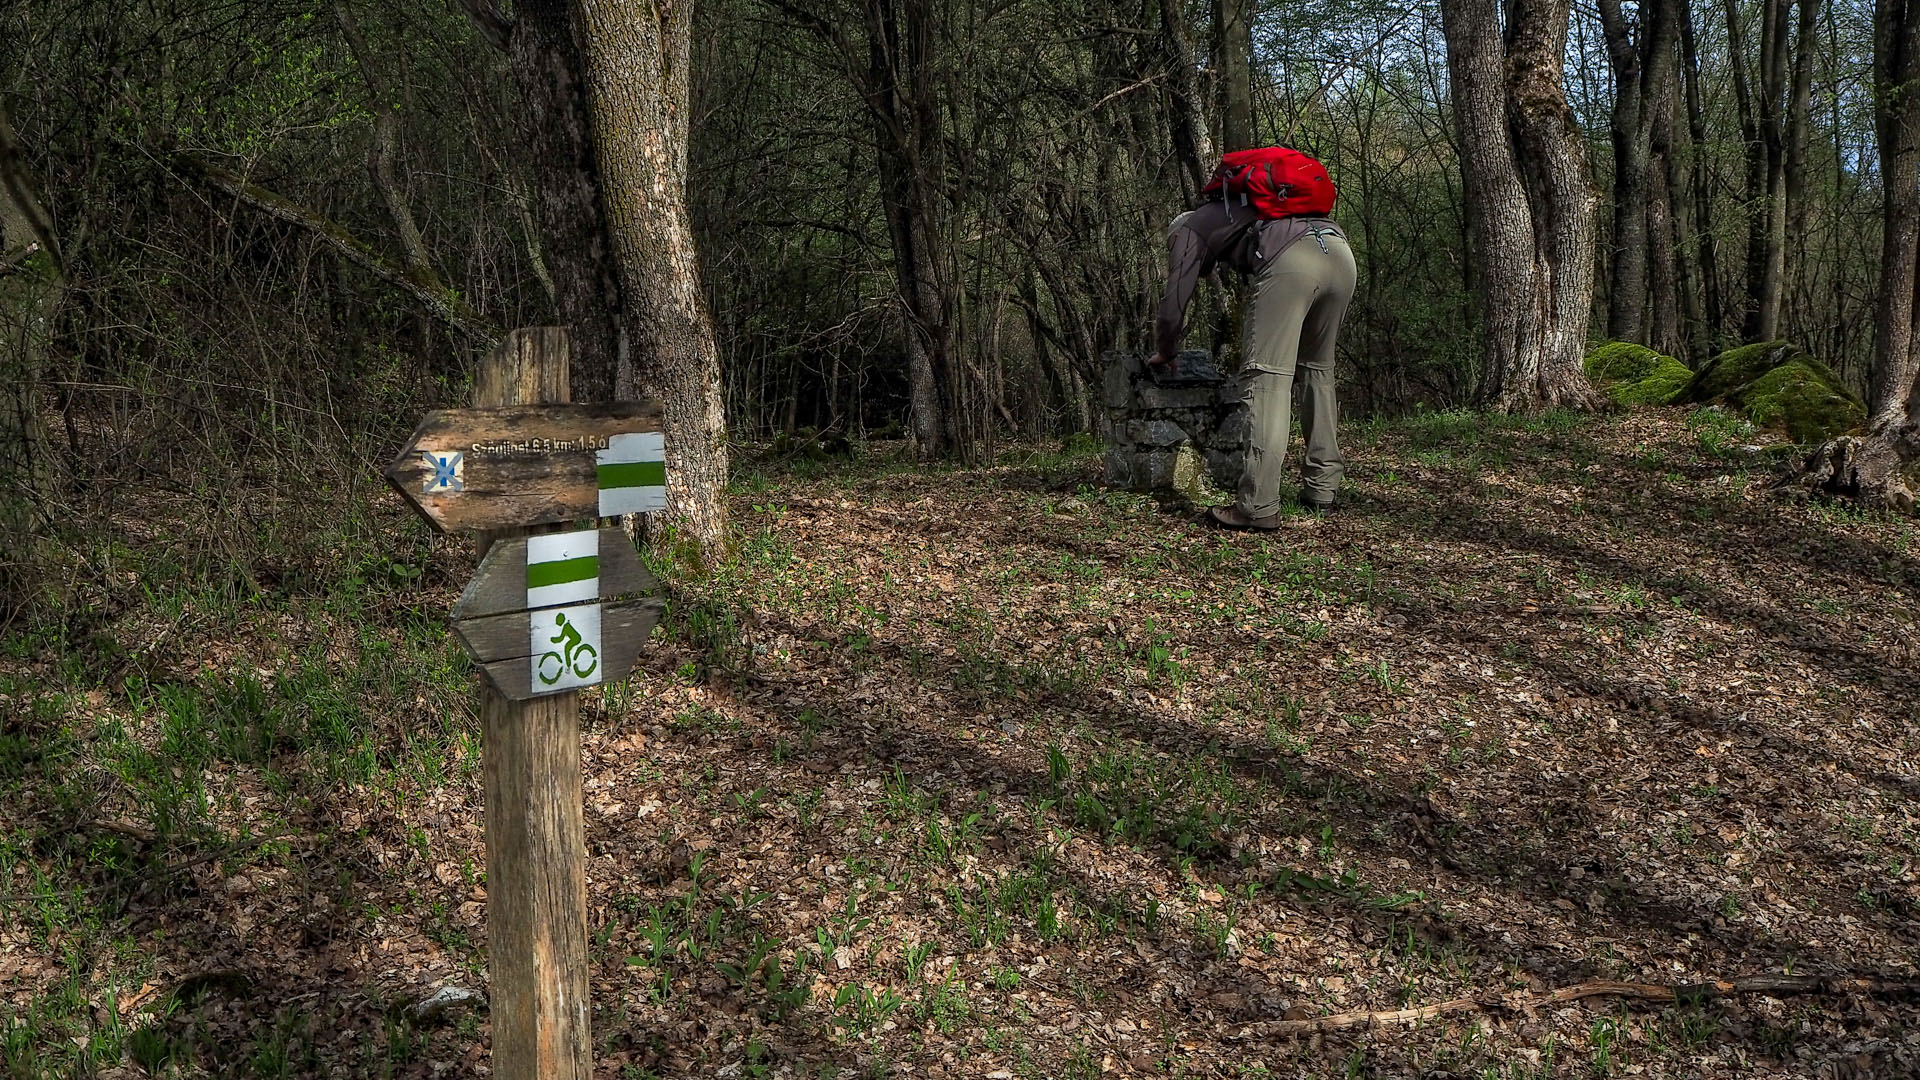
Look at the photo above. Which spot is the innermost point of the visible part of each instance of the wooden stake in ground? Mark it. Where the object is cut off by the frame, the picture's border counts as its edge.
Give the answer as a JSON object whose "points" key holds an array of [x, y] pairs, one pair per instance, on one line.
{"points": [[536, 839]]}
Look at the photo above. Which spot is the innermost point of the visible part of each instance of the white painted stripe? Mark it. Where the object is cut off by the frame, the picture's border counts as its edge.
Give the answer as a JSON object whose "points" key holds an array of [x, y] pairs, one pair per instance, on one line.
{"points": [[563, 665], [558, 547], [568, 592], [632, 500], [634, 446]]}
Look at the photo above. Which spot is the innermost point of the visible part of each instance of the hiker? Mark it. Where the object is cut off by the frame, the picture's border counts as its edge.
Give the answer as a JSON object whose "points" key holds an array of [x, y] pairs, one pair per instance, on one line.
{"points": [[1265, 214]]}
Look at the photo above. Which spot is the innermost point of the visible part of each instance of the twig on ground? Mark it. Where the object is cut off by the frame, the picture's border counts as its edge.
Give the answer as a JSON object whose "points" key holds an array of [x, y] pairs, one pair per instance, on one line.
{"points": [[1522, 1001]]}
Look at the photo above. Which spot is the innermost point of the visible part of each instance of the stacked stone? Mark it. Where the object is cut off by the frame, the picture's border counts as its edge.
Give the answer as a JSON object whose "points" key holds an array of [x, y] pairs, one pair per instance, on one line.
{"points": [[1151, 421]]}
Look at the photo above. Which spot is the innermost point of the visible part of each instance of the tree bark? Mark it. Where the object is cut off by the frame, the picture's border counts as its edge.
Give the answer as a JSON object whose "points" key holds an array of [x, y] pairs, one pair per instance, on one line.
{"points": [[910, 145], [1233, 63], [1498, 220], [1190, 139], [1642, 57], [1672, 301], [1713, 306], [637, 81], [1764, 134], [33, 283], [1553, 169], [1882, 466], [543, 50]]}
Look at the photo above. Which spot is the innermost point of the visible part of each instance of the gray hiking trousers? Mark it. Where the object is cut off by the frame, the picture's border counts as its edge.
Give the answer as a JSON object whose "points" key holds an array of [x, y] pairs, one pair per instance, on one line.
{"points": [[1292, 319]]}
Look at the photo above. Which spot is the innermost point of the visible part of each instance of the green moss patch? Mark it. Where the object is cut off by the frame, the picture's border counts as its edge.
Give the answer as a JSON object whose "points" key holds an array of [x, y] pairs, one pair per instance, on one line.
{"points": [[1804, 398], [1622, 361], [1636, 375], [1778, 384], [1737, 367], [1657, 387]]}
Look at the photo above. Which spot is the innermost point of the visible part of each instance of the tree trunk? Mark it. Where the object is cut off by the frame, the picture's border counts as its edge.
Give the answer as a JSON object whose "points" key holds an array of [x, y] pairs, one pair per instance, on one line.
{"points": [[1553, 168], [1706, 258], [1627, 271], [1233, 64], [1643, 61], [907, 140], [1672, 300], [543, 50], [637, 58], [1498, 220], [1762, 130], [1799, 110], [32, 286], [1882, 467], [1190, 139]]}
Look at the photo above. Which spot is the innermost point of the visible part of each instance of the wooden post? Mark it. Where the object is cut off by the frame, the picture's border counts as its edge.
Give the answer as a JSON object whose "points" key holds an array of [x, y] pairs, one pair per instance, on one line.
{"points": [[536, 839]]}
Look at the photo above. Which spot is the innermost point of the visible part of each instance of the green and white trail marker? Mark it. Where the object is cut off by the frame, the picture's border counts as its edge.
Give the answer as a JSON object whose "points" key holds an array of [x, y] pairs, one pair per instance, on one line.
{"points": [[557, 611], [633, 474]]}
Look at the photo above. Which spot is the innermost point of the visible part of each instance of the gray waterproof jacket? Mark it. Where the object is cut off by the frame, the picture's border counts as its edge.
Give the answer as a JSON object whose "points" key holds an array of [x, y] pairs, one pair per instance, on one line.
{"points": [[1213, 234]]}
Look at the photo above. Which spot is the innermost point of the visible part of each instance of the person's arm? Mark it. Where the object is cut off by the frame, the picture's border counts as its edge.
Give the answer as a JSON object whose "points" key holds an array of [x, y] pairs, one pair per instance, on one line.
{"points": [[1186, 261]]}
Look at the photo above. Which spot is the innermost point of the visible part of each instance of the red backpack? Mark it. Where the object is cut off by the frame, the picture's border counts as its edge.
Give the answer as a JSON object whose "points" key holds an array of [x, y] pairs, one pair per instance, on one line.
{"points": [[1276, 181]]}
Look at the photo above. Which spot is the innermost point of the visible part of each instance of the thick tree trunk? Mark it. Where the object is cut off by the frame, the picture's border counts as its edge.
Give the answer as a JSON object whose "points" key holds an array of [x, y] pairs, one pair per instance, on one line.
{"points": [[1498, 221], [1896, 360], [1799, 117], [1882, 466], [543, 50], [1233, 64], [637, 56], [1672, 301], [1554, 170]]}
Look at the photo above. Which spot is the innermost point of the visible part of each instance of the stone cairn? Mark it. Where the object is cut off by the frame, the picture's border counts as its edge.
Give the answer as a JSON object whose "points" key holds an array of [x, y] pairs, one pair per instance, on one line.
{"points": [[1171, 431]]}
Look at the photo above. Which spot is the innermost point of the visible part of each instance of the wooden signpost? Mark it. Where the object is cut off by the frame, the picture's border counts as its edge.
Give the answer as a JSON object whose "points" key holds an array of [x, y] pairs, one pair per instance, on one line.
{"points": [[549, 611]]}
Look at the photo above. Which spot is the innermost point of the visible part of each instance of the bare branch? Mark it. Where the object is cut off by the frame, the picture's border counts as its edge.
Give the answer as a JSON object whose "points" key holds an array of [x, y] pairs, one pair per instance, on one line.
{"points": [[431, 295]]}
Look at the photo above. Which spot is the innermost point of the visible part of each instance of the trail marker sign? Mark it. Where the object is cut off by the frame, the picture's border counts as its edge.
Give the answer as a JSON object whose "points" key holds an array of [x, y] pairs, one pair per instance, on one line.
{"points": [[523, 465], [545, 615], [556, 612]]}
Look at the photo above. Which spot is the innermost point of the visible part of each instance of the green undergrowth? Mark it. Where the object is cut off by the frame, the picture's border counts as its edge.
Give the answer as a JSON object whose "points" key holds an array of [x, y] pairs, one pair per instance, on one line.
{"points": [[897, 752], [215, 723]]}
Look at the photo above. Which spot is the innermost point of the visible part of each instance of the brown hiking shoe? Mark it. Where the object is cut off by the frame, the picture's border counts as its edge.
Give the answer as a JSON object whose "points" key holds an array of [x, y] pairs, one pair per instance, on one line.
{"points": [[1231, 517]]}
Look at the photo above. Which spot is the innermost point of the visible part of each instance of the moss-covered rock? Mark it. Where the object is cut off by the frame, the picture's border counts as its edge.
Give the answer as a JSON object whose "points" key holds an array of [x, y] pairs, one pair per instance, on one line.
{"points": [[1622, 361], [1657, 387], [1739, 366], [1778, 384], [1804, 398], [1636, 375]]}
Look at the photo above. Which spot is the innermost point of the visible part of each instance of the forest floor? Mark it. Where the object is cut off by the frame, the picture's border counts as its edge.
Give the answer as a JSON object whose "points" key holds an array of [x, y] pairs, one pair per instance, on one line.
{"points": [[994, 773]]}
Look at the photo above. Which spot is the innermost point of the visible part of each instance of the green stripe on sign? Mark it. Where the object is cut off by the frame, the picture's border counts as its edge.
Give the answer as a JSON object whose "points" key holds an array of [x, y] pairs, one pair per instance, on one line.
{"points": [[633, 474], [562, 571]]}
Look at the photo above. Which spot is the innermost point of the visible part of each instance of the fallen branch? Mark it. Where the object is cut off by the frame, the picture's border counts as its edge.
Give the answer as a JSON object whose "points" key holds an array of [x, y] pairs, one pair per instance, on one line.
{"points": [[1523, 1001]]}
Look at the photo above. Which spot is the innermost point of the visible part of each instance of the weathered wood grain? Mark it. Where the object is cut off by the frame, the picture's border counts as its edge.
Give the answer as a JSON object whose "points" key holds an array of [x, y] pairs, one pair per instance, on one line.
{"points": [[624, 629], [505, 637], [536, 840], [522, 465], [500, 584]]}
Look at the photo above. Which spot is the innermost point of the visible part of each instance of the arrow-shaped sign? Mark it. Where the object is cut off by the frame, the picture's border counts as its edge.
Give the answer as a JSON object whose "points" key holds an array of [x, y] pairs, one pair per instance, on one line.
{"points": [[534, 464], [546, 613]]}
